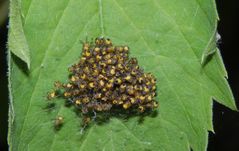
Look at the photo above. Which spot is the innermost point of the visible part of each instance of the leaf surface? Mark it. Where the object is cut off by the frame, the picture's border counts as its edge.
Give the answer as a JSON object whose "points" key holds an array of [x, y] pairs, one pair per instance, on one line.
{"points": [[171, 39], [18, 45]]}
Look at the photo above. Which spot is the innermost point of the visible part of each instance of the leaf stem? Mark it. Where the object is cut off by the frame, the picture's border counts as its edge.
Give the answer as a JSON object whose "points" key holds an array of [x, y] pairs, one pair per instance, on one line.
{"points": [[101, 18]]}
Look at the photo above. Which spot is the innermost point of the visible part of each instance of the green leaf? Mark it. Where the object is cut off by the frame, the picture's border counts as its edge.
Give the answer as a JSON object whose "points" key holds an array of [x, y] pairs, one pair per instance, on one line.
{"points": [[17, 43], [171, 39]]}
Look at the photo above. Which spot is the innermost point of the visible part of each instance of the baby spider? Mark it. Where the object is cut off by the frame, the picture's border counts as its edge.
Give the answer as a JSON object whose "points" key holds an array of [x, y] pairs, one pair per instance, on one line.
{"points": [[59, 120]]}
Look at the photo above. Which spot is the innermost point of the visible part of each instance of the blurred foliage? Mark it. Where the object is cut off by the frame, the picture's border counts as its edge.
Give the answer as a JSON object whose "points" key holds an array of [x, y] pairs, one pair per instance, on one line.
{"points": [[3, 10]]}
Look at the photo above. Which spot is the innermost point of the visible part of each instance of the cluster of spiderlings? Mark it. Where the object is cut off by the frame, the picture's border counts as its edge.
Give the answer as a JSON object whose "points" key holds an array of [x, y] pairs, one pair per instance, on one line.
{"points": [[106, 78]]}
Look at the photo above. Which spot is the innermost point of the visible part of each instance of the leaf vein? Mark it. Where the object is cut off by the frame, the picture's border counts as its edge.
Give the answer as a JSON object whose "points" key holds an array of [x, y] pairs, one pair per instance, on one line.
{"points": [[37, 81]]}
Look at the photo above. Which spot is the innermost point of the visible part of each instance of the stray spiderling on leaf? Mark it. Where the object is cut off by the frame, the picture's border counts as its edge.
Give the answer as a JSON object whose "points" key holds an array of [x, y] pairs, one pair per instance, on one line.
{"points": [[58, 122], [104, 79]]}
